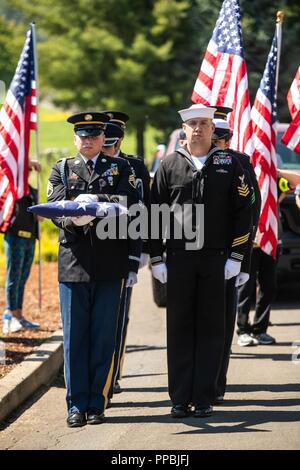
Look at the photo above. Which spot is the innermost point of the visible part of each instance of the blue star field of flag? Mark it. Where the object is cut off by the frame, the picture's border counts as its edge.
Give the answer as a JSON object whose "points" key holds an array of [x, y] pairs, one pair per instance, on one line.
{"points": [[268, 81], [51, 210], [25, 73], [228, 33]]}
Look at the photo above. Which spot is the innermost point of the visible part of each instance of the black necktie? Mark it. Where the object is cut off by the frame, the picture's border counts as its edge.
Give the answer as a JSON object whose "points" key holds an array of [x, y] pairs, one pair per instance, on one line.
{"points": [[90, 166]]}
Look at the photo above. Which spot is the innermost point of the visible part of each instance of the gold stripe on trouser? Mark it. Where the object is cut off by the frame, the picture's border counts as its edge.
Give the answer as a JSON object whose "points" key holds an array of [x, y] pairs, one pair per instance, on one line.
{"points": [[119, 358], [110, 374], [108, 382], [124, 349]]}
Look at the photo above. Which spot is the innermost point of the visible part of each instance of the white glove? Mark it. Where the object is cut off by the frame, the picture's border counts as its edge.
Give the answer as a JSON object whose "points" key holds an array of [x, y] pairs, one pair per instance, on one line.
{"points": [[232, 268], [82, 220], [131, 279], [160, 272], [86, 198], [241, 279], [144, 259]]}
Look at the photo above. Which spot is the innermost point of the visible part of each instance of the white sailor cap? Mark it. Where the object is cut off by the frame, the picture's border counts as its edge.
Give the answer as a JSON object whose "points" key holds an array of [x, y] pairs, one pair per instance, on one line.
{"points": [[221, 124], [197, 111], [222, 129]]}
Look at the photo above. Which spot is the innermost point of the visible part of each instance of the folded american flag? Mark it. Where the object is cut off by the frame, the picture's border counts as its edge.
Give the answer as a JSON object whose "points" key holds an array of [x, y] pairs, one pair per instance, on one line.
{"points": [[52, 210]]}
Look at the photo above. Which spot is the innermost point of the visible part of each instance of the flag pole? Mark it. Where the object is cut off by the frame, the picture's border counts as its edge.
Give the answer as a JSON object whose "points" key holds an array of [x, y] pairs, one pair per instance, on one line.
{"points": [[279, 21], [37, 149]]}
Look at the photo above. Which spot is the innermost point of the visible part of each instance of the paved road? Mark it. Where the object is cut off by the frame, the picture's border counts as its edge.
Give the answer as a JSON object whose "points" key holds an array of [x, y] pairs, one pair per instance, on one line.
{"points": [[262, 409]]}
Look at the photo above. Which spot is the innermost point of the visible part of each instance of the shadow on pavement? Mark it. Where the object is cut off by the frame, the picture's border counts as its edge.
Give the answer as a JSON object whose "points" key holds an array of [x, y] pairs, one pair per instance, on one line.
{"points": [[278, 388], [240, 421], [131, 376], [141, 404], [145, 389], [221, 421], [273, 356], [228, 403], [143, 347]]}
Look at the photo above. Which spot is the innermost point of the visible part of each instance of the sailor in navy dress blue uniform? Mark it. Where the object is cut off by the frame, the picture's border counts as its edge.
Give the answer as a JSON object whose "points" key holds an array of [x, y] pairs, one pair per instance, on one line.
{"points": [[199, 174], [91, 271], [114, 133], [221, 138]]}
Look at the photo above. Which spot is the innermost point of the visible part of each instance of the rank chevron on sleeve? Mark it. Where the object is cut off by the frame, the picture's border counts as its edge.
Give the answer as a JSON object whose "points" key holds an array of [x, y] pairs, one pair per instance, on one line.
{"points": [[243, 190]]}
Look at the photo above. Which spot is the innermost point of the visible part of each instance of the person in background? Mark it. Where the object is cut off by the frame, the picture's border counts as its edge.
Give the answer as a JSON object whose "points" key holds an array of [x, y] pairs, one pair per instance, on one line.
{"points": [[114, 136], [261, 283], [221, 138], [292, 176], [292, 180], [19, 247], [182, 138]]}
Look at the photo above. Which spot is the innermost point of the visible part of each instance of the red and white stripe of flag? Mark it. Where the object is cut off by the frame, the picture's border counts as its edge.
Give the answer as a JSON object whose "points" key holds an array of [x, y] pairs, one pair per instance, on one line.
{"points": [[15, 126], [223, 81], [264, 162], [291, 137], [293, 96]]}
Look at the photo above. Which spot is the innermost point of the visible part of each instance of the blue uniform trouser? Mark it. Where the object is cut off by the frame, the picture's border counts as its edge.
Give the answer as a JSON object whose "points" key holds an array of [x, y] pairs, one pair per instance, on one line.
{"points": [[89, 314], [123, 320], [19, 254]]}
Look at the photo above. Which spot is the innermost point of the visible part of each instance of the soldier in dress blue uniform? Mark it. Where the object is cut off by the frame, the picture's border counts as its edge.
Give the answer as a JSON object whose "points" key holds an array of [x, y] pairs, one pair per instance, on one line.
{"points": [[91, 271], [114, 134]]}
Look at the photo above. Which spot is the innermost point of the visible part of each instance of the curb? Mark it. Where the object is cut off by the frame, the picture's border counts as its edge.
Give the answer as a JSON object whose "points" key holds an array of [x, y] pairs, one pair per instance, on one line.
{"points": [[36, 370]]}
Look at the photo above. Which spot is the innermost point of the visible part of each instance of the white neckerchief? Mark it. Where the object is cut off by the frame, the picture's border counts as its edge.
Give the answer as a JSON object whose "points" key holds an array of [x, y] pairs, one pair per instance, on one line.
{"points": [[199, 161]]}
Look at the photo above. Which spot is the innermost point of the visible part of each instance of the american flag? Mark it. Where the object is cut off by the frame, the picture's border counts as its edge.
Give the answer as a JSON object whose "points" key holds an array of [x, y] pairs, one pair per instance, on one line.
{"points": [[291, 137], [17, 117], [66, 208], [222, 79], [264, 117]]}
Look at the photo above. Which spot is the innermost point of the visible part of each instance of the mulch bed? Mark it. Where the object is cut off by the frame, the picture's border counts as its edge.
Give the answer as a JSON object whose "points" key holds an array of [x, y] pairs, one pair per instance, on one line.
{"points": [[14, 347]]}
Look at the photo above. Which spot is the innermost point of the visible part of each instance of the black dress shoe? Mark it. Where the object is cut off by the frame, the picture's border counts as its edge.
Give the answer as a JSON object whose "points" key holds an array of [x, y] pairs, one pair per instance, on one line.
{"points": [[180, 411], [95, 416], [76, 420], [203, 411], [117, 388]]}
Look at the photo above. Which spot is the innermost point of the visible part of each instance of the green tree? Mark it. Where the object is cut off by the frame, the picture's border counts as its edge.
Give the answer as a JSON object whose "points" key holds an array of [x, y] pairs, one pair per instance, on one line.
{"points": [[143, 56], [127, 54], [11, 41]]}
